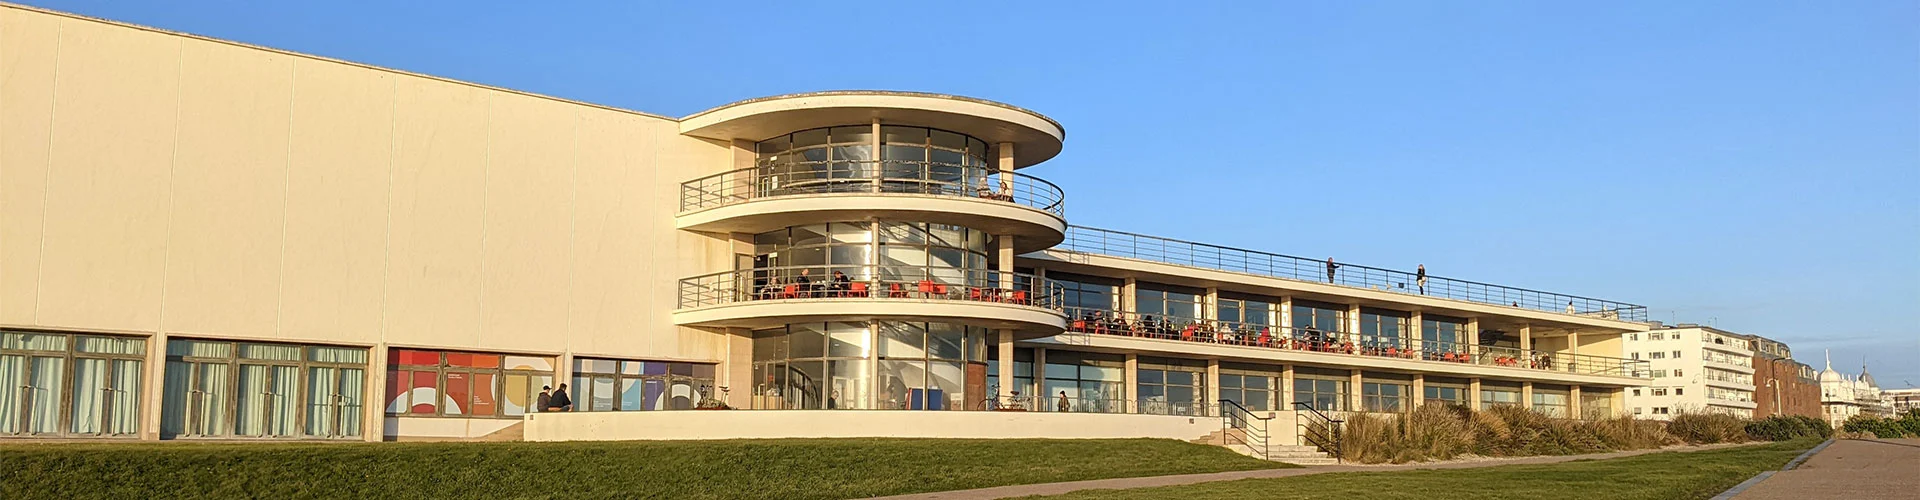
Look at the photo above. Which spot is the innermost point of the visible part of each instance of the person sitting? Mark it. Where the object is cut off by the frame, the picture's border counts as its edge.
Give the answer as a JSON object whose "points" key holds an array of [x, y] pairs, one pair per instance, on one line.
{"points": [[841, 283], [804, 284]]}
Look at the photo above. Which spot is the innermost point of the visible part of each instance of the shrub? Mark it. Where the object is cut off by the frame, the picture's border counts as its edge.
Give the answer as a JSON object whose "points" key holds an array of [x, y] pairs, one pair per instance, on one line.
{"points": [[1708, 428], [1908, 425], [1443, 432], [1780, 428], [1818, 425]]}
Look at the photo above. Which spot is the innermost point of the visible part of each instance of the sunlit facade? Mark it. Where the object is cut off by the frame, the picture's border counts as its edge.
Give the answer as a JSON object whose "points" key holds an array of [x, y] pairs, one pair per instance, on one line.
{"points": [[209, 240]]}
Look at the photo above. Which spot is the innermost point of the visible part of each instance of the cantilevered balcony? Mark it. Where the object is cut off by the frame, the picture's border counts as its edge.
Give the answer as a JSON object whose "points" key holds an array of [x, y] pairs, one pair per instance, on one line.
{"points": [[1332, 346], [1186, 253], [766, 197], [765, 297]]}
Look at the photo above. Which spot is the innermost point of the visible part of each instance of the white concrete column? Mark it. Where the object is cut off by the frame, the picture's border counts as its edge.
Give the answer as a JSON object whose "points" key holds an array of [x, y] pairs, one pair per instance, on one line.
{"points": [[1573, 343], [1041, 399], [1526, 337], [1353, 391], [1473, 393], [1526, 395], [738, 377], [1213, 383], [1473, 349], [1285, 317], [1353, 333], [873, 365], [154, 381], [1573, 402], [1416, 332], [1210, 310], [1005, 257], [1286, 388], [877, 167], [1007, 376], [1419, 389], [1133, 386], [1128, 292], [1005, 157], [373, 418], [564, 373]]}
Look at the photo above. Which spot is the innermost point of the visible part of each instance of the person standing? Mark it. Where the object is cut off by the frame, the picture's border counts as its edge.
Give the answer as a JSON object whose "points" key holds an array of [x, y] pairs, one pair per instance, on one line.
{"points": [[1570, 309], [1420, 277], [1064, 405], [546, 396], [1330, 267], [560, 401]]}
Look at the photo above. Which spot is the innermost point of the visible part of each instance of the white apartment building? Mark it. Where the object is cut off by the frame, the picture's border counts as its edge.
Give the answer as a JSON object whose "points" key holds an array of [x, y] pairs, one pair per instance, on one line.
{"points": [[1694, 368]]}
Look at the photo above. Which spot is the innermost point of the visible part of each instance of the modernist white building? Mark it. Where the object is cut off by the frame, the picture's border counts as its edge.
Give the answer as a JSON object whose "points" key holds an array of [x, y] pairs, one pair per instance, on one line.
{"points": [[1693, 368], [210, 240]]}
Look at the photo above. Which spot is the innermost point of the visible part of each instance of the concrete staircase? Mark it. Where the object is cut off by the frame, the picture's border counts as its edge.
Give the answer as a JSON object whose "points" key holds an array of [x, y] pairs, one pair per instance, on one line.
{"points": [[1236, 439]]}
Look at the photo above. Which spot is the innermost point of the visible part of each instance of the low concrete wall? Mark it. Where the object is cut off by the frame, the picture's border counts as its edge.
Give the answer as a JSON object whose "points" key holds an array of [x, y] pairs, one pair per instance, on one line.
{"points": [[402, 428], [773, 424]]}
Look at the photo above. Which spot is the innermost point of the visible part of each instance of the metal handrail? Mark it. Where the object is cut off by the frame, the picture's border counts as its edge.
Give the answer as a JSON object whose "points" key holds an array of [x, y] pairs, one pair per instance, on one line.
{"points": [[1230, 415], [1328, 442], [871, 176], [868, 282], [1084, 239], [1335, 341]]}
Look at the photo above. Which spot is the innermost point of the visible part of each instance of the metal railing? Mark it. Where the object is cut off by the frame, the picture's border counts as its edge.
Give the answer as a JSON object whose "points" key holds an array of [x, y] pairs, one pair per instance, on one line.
{"points": [[871, 176], [831, 282], [1253, 428], [1319, 430], [1153, 248], [1128, 324]]}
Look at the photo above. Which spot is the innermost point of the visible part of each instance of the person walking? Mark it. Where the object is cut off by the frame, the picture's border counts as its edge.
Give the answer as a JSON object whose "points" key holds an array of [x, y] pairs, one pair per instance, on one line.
{"points": [[1064, 405], [546, 396], [560, 401], [1420, 277], [1330, 267]]}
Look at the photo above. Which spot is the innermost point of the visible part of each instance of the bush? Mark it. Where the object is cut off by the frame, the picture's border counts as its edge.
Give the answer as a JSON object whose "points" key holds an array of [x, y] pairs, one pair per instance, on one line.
{"points": [[1907, 425], [1444, 432], [1708, 428], [1782, 428]]}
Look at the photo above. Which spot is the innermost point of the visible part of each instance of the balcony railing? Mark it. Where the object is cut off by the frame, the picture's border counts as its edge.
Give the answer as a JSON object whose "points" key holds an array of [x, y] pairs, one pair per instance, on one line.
{"points": [[1334, 341], [871, 176], [867, 282], [1152, 248]]}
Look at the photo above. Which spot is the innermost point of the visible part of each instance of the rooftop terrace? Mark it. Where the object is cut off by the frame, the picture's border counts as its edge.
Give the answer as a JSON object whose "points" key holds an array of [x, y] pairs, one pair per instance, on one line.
{"points": [[1186, 253]]}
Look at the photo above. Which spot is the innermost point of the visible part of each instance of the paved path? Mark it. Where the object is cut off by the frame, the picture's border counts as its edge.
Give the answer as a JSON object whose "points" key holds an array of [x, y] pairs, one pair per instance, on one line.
{"points": [[1850, 469], [1152, 481]]}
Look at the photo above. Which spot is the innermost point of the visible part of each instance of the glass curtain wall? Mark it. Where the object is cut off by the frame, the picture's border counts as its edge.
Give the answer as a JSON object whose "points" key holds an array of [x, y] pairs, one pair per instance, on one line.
{"points": [[1172, 387], [917, 366], [1446, 390], [1596, 403], [620, 385], [1086, 296], [890, 253], [1169, 306], [1313, 320], [1386, 393], [1246, 312], [246, 389], [61, 384], [1551, 400], [1091, 382], [1383, 330], [1492, 394], [841, 159]]}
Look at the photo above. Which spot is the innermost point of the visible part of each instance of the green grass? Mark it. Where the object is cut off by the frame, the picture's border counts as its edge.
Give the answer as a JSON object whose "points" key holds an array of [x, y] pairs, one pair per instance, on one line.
{"points": [[1656, 476], [800, 468]]}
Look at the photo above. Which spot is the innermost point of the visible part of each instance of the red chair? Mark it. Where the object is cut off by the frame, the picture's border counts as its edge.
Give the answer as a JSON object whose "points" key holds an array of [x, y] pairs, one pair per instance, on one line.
{"points": [[1186, 333], [940, 288], [896, 291], [859, 289], [1020, 297], [974, 294], [1079, 325], [790, 291], [1266, 339], [926, 289]]}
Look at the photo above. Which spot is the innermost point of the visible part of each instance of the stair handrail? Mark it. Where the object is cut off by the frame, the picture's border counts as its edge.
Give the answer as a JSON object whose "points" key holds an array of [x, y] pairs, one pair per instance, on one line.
{"points": [[1229, 412], [1329, 443]]}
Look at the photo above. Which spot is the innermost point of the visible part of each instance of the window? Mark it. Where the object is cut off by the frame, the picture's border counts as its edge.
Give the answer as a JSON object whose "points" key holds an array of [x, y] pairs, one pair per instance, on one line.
{"points": [[1679, 391], [1659, 355], [1245, 313], [54, 384], [1322, 391], [1382, 330], [1659, 373], [1083, 295], [1636, 410], [1325, 319], [620, 385], [1596, 404], [466, 384], [1093, 382], [1383, 397], [1660, 410], [1634, 337], [1636, 392], [215, 388], [1676, 354], [1168, 303], [1659, 391], [1446, 393], [1022, 389], [1636, 355], [1172, 387], [1443, 334], [1491, 396], [1553, 403], [1656, 336], [1676, 372], [1253, 386]]}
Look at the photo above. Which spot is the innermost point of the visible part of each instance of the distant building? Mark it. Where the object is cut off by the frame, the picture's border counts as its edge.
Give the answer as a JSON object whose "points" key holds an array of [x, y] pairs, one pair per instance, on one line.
{"points": [[1842, 396], [1902, 400], [1783, 386], [1693, 369]]}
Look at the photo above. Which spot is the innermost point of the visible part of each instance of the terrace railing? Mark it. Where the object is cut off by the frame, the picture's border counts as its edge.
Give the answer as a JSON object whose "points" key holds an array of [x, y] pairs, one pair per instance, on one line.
{"points": [[1334, 341], [867, 282], [871, 176], [1186, 253]]}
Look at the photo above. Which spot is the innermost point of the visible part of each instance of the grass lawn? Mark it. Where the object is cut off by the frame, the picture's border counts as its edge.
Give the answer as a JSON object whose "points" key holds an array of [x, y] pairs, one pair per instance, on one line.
{"points": [[1657, 476], [801, 468]]}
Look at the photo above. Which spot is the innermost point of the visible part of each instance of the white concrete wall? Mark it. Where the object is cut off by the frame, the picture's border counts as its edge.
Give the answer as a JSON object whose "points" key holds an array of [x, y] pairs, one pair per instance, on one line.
{"points": [[442, 428], [774, 424]]}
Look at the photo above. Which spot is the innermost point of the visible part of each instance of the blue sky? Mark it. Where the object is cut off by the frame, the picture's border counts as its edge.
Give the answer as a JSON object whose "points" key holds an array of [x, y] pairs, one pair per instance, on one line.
{"points": [[1754, 165]]}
